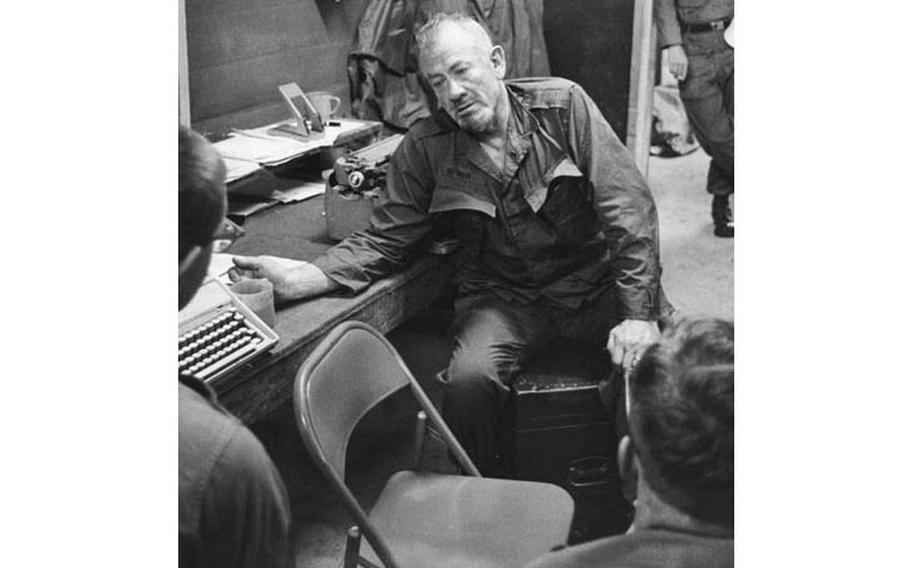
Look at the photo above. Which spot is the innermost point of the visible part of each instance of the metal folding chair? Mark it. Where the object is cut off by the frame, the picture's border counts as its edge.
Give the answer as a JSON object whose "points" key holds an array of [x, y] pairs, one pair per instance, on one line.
{"points": [[421, 519]]}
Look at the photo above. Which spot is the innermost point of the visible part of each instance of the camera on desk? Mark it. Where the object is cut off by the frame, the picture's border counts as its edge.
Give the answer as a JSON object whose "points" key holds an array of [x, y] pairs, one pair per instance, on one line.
{"points": [[355, 186], [358, 175]]}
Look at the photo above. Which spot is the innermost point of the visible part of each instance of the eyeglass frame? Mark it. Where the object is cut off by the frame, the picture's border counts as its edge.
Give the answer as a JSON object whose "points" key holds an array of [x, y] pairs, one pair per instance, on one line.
{"points": [[226, 234]]}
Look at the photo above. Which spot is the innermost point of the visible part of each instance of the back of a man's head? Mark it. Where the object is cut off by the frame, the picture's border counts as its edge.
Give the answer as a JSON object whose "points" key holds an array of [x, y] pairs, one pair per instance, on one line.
{"points": [[681, 418], [200, 185], [200, 204]]}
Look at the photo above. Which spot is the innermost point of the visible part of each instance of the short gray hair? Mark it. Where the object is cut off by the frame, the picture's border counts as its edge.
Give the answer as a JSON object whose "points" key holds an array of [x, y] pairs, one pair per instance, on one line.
{"points": [[425, 33]]}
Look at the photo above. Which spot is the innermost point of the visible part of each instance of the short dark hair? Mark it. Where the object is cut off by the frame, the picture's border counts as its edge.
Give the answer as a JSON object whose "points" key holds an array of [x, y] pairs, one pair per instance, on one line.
{"points": [[200, 183], [681, 418]]}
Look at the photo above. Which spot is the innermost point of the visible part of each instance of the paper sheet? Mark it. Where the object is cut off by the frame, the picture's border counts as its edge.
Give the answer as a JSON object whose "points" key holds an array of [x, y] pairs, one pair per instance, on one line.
{"points": [[219, 266], [304, 190], [257, 145], [258, 150], [243, 210], [237, 169]]}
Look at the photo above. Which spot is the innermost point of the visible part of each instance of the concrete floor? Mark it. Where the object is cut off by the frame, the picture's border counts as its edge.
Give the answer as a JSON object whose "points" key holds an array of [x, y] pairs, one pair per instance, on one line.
{"points": [[698, 280], [698, 267]]}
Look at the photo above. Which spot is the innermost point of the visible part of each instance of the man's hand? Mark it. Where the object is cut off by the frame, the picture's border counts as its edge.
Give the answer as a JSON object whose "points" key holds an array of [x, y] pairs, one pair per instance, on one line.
{"points": [[628, 341], [292, 279], [678, 62]]}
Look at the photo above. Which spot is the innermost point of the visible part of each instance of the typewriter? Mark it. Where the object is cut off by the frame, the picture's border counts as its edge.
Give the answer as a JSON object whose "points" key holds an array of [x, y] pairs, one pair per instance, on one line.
{"points": [[217, 333]]}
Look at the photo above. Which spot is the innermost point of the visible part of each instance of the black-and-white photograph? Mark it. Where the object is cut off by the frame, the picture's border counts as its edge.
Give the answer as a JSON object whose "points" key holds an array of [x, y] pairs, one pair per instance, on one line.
{"points": [[456, 283]]}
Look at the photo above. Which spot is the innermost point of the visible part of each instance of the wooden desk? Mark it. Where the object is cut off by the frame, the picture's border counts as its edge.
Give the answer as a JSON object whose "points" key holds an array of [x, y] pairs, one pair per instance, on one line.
{"points": [[298, 231]]}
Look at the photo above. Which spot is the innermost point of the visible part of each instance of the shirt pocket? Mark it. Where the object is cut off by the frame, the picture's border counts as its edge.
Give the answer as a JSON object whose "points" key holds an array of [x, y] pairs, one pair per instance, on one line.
{"points": [[451, 195], [567, 207], [537, 193], [465, 212]]}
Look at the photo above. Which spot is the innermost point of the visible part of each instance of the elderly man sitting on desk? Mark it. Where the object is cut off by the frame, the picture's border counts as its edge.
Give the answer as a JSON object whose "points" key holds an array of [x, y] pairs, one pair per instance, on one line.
{"points": [[557, 228]]}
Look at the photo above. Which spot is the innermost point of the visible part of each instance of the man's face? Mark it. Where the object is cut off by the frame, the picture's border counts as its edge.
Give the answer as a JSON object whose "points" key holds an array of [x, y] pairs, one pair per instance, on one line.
{"points": [[466, 76], [191, 276], [192, 271]]}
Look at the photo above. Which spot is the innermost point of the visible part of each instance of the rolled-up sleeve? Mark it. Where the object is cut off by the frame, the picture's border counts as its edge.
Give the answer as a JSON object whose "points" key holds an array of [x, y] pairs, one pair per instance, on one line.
{"points": [[668, 31], [396, 225], [624, 204]]}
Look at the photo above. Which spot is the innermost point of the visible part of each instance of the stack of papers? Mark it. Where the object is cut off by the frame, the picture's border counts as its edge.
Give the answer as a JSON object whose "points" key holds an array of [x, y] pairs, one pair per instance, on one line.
{"points": [[307, 188], [245, 151], [237, 169], [258, 147]]}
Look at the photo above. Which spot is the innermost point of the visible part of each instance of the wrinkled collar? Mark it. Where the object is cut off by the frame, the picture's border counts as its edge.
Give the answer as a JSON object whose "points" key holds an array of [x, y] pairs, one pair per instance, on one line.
{"points": [[522, 124], [444, 122], [202, 389], [688, 526], [652, 512], [525, 121]]}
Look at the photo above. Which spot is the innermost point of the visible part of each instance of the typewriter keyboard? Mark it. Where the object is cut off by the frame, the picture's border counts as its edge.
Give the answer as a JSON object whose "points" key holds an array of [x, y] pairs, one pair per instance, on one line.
{"points": [[214, 345]]}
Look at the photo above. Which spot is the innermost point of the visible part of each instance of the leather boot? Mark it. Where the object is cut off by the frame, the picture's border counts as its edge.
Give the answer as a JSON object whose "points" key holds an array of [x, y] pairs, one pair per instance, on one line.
{"points": [[722, 216]]}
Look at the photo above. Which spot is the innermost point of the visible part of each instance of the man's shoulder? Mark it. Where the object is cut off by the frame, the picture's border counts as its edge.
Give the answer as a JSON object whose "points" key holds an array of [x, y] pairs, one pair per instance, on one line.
{"points": [[232, 502], [199, 417], [544, 92], [210, 437], [217, 454], [203, 434], [434, 125], [590, 554], [644, 548]]}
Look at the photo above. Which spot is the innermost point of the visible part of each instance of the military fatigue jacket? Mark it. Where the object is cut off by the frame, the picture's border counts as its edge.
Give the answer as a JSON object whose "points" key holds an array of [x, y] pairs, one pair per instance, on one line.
{"points": [[564, 217]]}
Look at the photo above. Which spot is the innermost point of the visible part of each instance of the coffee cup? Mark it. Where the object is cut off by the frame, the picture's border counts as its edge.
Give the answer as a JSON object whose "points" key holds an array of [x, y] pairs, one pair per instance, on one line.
{"points": [[258, 295], [326, 104]]}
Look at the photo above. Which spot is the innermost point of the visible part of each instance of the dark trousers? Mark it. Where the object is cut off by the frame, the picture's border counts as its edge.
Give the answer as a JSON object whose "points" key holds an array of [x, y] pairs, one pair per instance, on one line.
{"points": [[707, 94], [494, 339]]}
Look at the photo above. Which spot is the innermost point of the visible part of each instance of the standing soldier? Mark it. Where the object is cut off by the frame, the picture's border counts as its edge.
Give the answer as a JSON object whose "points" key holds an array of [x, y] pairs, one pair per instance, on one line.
{"points": [[692, 31]]}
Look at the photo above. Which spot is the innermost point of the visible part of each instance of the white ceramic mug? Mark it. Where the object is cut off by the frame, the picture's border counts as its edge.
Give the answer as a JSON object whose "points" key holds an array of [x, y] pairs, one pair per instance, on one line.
{"points": [[258, 296], [326, 104]]}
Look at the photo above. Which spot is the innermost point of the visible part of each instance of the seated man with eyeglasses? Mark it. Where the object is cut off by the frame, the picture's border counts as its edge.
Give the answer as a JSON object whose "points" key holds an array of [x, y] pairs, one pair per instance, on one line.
{"points": [[677, 461], [233, 507]]}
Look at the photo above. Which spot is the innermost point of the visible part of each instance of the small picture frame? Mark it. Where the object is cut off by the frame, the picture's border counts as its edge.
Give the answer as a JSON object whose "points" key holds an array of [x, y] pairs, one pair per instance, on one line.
{"points": [[301, 108]]}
